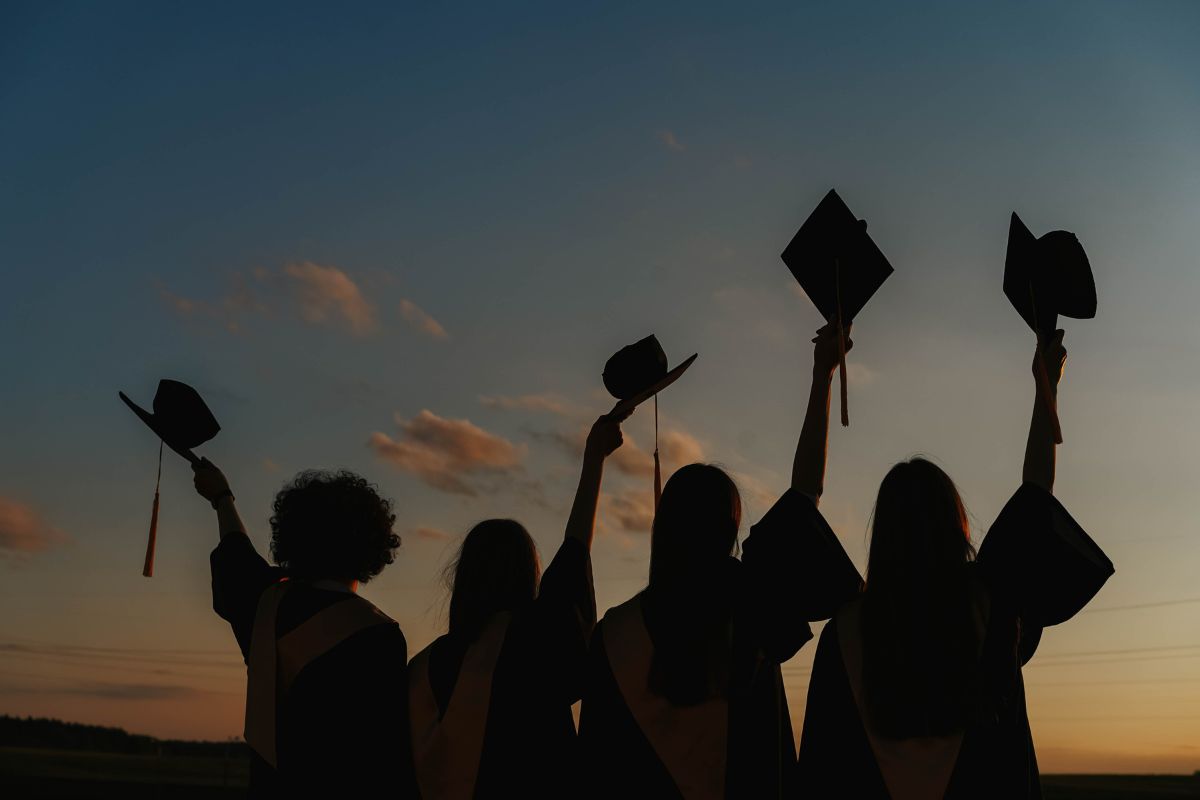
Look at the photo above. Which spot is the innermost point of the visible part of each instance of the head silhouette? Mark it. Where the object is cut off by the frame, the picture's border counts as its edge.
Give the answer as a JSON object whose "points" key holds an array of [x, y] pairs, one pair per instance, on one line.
{"points": [[496, 569], [920, 639], [696, 525], [688, 601], [332, 525]]}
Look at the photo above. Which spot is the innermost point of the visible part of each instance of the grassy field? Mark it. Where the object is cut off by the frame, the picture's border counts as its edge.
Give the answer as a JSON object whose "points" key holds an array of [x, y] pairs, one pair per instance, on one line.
{"points": [[44, 774]]}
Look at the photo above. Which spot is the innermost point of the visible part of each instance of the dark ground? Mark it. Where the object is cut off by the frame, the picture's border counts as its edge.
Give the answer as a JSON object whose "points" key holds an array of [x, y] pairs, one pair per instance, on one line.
{"points": [[37, 774]]}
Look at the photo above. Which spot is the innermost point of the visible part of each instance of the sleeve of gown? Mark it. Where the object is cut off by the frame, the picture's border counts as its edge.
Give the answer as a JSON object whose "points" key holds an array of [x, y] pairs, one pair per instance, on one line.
{"points": [[566, 613], [1037, 560], [239, 576], [796, 571]]}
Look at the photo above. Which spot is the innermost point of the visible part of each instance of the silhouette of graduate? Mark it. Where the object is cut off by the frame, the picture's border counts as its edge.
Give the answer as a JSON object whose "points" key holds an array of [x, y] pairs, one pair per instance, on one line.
{"points": [[916, 689], [325, 705], [684, 695], [490, 700]]}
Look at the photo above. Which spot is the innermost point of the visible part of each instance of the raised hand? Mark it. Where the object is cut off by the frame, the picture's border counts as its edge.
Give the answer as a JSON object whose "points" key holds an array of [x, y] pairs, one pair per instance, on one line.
{"points": [[826, 355], [605, 436], [1053, 356], [210, 482]]}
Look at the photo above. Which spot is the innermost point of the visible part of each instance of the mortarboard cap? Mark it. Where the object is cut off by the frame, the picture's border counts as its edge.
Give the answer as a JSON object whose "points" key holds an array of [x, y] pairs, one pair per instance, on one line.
{"points": [[838, 266], [634, 374], [637, 372], [1047, 276], [182, 421], [831, 256], [181, 418], [1036, 553]]}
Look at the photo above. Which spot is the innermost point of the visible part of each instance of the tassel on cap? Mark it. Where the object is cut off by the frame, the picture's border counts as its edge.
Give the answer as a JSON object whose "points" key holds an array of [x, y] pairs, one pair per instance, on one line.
{"points": [[148, 566]]}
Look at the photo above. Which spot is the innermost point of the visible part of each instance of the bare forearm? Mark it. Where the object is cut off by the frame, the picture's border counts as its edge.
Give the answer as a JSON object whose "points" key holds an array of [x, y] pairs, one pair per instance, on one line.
{"points": [[581, 524], [228, 520], [808, 468], [1039, 448]]}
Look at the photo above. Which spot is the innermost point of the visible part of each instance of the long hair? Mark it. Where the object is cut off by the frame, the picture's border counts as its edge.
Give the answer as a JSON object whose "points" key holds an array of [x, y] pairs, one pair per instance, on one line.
{"points": [[920, 638], [688, 603], [496, 569]]}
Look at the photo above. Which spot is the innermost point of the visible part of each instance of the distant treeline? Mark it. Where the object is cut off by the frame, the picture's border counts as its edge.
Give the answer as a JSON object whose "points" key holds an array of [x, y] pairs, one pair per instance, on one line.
{"points": [[59, 735]]}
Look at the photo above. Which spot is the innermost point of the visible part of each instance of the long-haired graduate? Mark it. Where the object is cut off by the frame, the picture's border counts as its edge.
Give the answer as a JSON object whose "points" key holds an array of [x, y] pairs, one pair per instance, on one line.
{"points": [[684, 694], [325, 705], [916, 689], [491, 699]]}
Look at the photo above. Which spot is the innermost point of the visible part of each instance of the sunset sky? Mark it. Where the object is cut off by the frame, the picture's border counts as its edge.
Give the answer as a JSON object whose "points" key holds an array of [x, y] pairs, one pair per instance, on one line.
{"points": [[404, 241]]}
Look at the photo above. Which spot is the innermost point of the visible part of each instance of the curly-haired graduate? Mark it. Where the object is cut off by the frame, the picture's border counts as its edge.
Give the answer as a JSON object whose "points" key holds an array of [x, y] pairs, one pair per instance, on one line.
{"points": [[325, 704]]}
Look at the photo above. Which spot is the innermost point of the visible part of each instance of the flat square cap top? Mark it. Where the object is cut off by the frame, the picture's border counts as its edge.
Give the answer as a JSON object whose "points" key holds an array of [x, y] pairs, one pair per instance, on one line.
{"points": [[832, 254], [1047, 276]]}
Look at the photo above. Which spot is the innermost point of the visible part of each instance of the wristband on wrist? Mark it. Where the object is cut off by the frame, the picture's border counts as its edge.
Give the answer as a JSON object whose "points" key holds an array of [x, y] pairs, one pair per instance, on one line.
{"points": [[217, 500]]}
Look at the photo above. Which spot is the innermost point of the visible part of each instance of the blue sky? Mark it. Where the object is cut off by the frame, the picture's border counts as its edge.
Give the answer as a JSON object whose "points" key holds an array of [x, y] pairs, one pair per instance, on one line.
{"points": [[250, 199]]}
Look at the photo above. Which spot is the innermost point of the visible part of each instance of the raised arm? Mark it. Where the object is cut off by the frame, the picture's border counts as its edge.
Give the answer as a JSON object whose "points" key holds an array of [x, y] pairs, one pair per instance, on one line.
{"points": [[603, 439], [1039, 448], [212, 485], [808, 468]]}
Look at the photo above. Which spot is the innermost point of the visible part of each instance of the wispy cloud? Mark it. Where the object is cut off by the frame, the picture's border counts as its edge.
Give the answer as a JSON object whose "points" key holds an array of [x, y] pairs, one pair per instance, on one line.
{"points": [[136, 691], [431, 533], [419, 320], [671, 141], [631, 509], [446, 453], [328, 295], [676, 448], [541, 403], [23, 530], [318, 294]]}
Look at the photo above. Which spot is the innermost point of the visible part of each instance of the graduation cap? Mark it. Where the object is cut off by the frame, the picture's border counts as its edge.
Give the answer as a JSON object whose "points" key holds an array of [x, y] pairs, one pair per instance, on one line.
{"points": [[634, 374], [1045, 277], [182, 421], [838, 266], [1040, 556]]}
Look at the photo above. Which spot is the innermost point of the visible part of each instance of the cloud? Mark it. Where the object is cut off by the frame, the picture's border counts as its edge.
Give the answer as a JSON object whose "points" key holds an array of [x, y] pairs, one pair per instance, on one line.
{"points": [[23, 531], [431, 533], [420, 321], [327, 294], [136, 691], [859, 374], [676, 448], [631, 509], [444, 453], [669, 139], [542, 403]]}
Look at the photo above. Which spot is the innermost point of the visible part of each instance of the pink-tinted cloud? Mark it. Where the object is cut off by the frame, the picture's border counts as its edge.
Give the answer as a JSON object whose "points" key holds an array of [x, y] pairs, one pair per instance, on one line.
{"points": [[23, 530], [446, 453], [675, 449], [670, 140], [541, 403], [431, 533], [329, 295], [420, 321], [631, 509]]}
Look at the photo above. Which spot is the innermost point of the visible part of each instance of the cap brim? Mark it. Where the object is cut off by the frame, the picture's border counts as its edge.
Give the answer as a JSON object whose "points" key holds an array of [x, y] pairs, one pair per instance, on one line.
{"points": [[151, 423], [630, 403]]}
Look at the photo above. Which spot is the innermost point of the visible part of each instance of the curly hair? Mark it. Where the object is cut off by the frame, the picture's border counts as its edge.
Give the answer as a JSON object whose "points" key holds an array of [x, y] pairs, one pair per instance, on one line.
{"points": [[332, 525]]}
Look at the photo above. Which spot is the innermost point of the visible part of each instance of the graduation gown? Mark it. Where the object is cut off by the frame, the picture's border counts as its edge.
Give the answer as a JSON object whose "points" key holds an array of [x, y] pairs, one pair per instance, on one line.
{"points": [[491, 718], [340, 723], [635, 744], [1034, 569]]}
